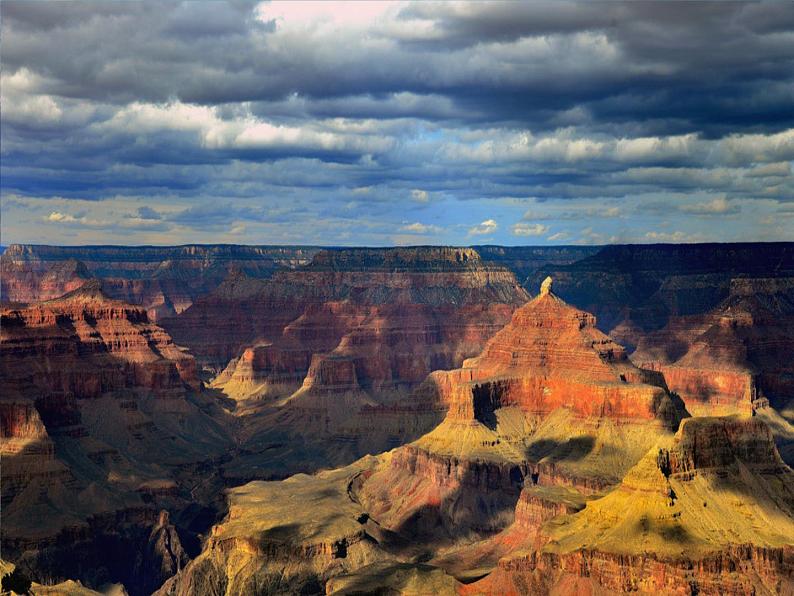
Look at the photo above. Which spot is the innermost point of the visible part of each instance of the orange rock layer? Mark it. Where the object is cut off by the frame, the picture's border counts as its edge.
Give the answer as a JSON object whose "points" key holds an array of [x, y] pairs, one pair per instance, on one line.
{"points": [[551, 355]]}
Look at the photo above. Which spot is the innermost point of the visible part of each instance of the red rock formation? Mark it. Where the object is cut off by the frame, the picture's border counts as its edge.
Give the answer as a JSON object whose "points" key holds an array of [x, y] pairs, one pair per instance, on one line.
{"points": [[734, 357], [320, 303], [551, 355], [85, 344], [164, 280], [550, 401], [33, 282], [364, 329], [97, 410]]}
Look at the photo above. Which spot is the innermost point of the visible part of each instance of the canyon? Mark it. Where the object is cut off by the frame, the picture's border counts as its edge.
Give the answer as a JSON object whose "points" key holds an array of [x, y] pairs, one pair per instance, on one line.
{"points": [[487, 420]]}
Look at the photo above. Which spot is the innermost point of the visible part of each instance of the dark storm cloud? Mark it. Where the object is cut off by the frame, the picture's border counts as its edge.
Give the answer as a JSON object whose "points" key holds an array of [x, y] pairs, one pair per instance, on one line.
{"points": [[623, 60], [360, 109]]}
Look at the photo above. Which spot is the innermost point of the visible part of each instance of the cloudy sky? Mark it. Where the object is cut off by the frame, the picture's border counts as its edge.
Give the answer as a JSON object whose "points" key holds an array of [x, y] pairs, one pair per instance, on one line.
{"points": [[395, 123]]}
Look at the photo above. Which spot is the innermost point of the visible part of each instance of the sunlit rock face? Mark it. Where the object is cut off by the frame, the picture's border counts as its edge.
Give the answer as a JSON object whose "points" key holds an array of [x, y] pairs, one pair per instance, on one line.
{"points": [[479, 485], [551, 355], [164, 280], [560, 467], [551, 401], [709, 510], [518, 449]]}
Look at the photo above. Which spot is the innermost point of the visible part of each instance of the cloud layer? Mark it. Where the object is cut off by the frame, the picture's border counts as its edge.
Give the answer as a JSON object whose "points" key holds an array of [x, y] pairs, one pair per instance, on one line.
{"points": [[384, 123]]}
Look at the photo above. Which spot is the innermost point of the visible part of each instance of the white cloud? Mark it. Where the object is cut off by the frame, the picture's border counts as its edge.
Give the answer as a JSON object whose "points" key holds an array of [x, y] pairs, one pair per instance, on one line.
{"points": [[489, 226], [420, 196], [58, 217], [420, 228], [718, 206], [246, 131], [292, 16], [526, 229], [559, 236]]}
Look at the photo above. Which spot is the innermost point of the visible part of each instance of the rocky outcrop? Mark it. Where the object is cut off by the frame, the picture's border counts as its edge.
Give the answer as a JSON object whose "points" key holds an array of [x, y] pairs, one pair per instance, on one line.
{"points": [[676, 524], [634, 288], [100, 415], [551, 401], [736, 357], [264, 547], [163, 557], [164, 280], [551, 355]]}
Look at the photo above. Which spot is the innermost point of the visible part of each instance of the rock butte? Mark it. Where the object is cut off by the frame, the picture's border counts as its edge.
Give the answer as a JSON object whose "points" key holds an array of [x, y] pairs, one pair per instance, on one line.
{"points": [[551, 401]]}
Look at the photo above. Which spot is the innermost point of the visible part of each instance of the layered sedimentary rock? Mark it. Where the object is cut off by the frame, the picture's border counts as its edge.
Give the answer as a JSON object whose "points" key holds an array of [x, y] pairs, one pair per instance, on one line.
{"points": [[710, 511], [551, 401], [524, 261], [244, 312], [326, 355], [636, 288], [100, 413], [74, 345], [734, 358], [23, 282], [570, 414], [556, 470], [164, 280]]}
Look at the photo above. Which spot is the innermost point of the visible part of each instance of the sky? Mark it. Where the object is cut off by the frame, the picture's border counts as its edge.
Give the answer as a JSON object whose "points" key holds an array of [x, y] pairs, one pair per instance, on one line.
{"points": [[396, 123]]}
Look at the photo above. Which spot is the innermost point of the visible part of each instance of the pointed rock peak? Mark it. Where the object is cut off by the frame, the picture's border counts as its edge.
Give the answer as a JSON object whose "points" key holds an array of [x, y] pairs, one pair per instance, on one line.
{"points": [[545, 287]]}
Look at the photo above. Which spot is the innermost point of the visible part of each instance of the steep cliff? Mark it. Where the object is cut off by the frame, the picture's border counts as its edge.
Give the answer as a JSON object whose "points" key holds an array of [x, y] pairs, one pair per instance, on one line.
{"points": [[638, 287], [524, 261], [100, 416], [708, 511], [164, 280], [551, 401], [734, 358]]}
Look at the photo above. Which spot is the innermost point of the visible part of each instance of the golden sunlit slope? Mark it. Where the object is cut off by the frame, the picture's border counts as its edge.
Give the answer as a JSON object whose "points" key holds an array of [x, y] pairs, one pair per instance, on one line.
{"points": [[281, 537], [726, 485], [710, 510]]}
